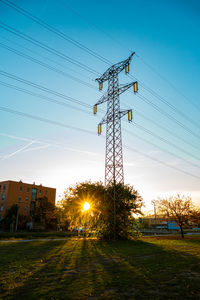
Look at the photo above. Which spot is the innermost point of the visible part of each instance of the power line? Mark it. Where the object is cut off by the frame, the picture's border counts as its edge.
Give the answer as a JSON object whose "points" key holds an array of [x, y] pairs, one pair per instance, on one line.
{"points": [[69, 98], [52, 143], [45, 120], [172, 118], [167, 151], [26, 56], [94, 25], [163, 100], [47, 66], [167, 130], [95, 72], [156, 94], [77, 102], [91, 52], [169, 116], [47, 48], [161, 162], [43, 56], [88, 48], [165, 141], [147, 64], [42, 88], [14, 87], [51, 28], [169, 82], [53, 69], [90, 132]]}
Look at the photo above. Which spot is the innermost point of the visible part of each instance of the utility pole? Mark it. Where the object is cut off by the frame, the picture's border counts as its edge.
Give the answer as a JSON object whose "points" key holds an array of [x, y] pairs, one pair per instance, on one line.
{"points": [[114, 173]]}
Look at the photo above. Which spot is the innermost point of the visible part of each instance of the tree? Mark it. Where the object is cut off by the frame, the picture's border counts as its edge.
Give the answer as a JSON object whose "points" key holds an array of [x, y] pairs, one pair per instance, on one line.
{"points": [[100, 218], [45, 213], [11, 216], [74, 199], [128, 202], [177, 208], [195, 217]]}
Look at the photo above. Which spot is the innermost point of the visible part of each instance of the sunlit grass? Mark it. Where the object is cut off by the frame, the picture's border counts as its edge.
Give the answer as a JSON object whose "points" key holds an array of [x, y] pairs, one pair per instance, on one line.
{"points": [[150, 268]]}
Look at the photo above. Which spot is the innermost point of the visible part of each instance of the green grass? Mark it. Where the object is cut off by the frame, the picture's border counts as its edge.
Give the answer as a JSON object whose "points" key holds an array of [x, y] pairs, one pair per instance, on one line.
{"points": [[150, 268]]}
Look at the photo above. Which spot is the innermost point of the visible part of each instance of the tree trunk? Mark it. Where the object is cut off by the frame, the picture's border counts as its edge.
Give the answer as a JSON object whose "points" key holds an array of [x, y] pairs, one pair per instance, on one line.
{"points": [[182, 233]]}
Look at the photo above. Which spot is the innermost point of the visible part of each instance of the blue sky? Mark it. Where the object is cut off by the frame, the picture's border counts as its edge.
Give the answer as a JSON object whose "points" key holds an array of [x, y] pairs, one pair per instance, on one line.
{"points": [[165, 37]]}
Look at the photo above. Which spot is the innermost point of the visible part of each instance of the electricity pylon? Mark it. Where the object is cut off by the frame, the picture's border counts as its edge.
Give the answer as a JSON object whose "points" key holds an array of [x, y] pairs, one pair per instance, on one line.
{"points": [[114, 173]]}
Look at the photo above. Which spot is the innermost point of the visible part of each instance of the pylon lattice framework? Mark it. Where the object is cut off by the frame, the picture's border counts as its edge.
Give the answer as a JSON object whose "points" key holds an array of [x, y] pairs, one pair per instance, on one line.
{"points": [[114, 157]]}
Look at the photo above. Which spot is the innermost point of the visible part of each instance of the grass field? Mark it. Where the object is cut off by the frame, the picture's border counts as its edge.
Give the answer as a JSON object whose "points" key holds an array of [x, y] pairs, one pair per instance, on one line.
{"points": [[150, 268], [35, 235]]}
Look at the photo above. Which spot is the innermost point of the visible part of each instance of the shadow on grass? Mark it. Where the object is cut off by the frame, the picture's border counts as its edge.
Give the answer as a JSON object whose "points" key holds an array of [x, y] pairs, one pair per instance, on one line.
{"points": [[92, 269], [34, 235]]}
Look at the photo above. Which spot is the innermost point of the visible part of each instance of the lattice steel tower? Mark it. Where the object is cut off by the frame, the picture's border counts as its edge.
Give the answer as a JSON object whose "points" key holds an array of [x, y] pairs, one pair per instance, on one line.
{"points": [[114, 158]]}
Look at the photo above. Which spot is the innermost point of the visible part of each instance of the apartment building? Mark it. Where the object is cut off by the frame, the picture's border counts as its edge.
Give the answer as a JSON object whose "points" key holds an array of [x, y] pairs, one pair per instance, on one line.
{"points": [[25, 195]]}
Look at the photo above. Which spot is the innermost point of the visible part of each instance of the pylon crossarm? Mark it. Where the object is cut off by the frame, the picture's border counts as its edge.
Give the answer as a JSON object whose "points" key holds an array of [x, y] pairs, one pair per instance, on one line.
{"points": [[104, 120], [115, 69], [122, 113], [109, 118], [103, 99], [122, 89], [125, 87]]}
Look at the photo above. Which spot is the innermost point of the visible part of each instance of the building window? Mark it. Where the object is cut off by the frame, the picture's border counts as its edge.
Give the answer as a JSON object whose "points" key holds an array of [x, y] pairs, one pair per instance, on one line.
{"points": [[45, 193], [20, 188], [34, 194], [20, 199], [3, 196], [32, 207], [27, 190], [40, 192], [1, 207], [26, 209], [4, 187], [26, 199]]}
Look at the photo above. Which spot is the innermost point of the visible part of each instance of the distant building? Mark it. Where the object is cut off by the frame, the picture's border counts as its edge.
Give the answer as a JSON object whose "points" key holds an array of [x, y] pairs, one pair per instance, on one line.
{"points": [[172, 225], [151, 220], [160, 223], [25, 195]]}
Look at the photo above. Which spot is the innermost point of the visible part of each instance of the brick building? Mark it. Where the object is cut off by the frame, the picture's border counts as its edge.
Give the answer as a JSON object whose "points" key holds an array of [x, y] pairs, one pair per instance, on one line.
{"points": [[25, 195]]}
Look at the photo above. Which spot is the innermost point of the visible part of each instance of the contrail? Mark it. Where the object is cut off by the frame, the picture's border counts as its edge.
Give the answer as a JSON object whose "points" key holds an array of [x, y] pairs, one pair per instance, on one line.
{"points": [[46, 143], [19, 138], [19, 150], [36, 148]]}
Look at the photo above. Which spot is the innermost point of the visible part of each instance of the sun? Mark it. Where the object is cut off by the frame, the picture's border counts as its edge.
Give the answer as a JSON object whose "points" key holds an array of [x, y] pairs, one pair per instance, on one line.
{"points": [[86, 206]]}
